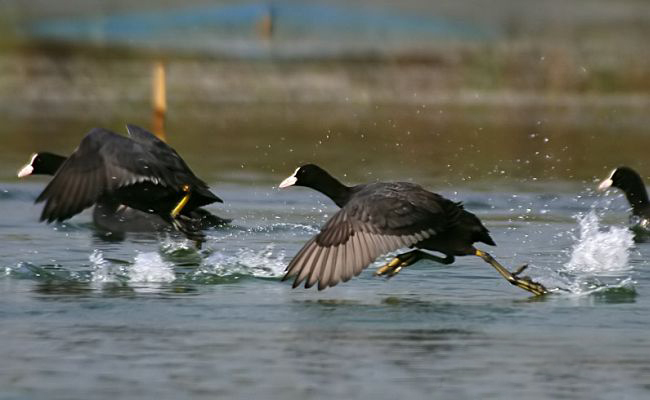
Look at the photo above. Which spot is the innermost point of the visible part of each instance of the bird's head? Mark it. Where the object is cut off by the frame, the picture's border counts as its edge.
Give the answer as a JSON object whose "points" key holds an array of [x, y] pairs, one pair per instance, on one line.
{"points": [[41, 164], [307, 175], [624, 178]]}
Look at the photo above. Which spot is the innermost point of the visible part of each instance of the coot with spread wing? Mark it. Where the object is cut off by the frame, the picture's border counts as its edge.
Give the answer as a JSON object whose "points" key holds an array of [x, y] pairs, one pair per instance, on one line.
{"points": [[139, 171], [378, 218]]}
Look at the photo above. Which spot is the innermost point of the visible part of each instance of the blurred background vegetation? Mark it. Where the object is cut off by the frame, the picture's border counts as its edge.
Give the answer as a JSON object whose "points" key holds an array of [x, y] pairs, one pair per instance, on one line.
{"points": [[455, 89]]}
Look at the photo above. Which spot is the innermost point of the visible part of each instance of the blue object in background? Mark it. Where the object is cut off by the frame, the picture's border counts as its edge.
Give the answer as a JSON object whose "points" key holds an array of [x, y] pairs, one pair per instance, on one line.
{"points": [[296, 29]]}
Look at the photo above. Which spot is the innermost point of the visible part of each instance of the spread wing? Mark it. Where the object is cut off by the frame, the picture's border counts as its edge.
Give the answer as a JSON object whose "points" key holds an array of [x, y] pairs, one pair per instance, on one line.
{"points": [[363, 230], [103, 162]]}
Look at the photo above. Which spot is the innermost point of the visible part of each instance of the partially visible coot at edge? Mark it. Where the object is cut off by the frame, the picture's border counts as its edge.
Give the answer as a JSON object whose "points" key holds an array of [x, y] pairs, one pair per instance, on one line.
{"points": [[378, 218], [137, 184], [631, 183]]}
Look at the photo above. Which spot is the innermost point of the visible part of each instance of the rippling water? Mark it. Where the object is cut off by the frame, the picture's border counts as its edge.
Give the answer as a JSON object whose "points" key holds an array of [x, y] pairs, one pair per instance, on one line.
{"points": [[148, 316], [152, 317]]}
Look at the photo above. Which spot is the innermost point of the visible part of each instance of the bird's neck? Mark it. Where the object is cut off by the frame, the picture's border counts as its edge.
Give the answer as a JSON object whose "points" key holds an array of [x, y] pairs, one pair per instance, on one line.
{"points": [[638, 198], [635, 192], [49, 164], [335, 190]]}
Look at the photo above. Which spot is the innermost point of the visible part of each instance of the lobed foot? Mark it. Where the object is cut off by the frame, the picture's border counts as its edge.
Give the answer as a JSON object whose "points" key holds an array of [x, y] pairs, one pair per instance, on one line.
{"points": [[395, 265], [528, 284], [524, 282]]}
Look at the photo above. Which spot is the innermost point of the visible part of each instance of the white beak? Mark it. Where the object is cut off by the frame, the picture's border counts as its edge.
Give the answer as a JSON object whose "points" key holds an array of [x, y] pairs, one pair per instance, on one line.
{"points": [[25, 171], [606, 184], [290, 181], [28, 168]]}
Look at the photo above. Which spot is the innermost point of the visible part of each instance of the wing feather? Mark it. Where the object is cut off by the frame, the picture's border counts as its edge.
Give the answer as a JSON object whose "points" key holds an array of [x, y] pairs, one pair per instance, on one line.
{"points": [[328, 267], [339, 264], [350, 259], [307, 266], [378, 219], [292, 269], [316, 265], [342, 250]]}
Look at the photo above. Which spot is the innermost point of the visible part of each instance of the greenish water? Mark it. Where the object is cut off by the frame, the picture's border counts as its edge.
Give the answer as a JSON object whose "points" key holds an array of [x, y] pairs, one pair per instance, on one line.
{"points": [[151, 317]]}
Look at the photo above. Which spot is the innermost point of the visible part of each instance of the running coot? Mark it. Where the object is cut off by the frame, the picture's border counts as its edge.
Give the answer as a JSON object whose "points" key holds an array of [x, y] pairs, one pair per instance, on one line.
{"points": [[378, 218], [113, 171], [111, 216]]}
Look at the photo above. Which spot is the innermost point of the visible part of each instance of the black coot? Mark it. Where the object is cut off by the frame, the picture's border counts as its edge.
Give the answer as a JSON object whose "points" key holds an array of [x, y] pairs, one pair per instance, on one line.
{"points": [[378, 218], [139, 171], [111, 216], [630, 182]]}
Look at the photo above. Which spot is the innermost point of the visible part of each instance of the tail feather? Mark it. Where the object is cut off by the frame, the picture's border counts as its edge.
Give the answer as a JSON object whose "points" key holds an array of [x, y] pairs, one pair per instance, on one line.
{"points": [[484, 237]]}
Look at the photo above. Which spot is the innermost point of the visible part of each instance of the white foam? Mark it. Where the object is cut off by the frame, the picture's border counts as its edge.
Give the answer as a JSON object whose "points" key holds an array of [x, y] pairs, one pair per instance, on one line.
{"points": [[101, 272], [169, 245], [295, 229], [600, 251], [599, 259], [150, 267], [263, 263]]}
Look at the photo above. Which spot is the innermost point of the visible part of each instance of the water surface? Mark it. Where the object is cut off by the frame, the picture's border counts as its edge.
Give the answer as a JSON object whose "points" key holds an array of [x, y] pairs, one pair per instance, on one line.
{"points": [[148, 316]]}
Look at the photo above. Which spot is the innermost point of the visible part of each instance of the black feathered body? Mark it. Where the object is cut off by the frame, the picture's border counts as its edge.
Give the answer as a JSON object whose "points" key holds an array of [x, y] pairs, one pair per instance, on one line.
{"points": [[111, 216], [378, 218], [406, 209], [141, 172]]}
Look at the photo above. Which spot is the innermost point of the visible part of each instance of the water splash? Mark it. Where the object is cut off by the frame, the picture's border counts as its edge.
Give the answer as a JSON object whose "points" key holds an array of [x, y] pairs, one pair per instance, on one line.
{"points": [[599, 259], [294, 228], [146, 268], [101, 269], [262, 264], [171, 246], [600, 251], [150, 267]]}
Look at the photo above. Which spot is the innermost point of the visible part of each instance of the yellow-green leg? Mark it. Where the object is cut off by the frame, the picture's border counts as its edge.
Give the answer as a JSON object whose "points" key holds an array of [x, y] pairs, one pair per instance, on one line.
{"points": [[394, 266], [182, 203], [525, 282], [183, 223]]}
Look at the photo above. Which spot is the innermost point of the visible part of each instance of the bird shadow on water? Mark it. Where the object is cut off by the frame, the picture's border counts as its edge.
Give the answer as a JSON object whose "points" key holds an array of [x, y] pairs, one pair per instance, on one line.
{"points": [[409, 310], [75, 290]]}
